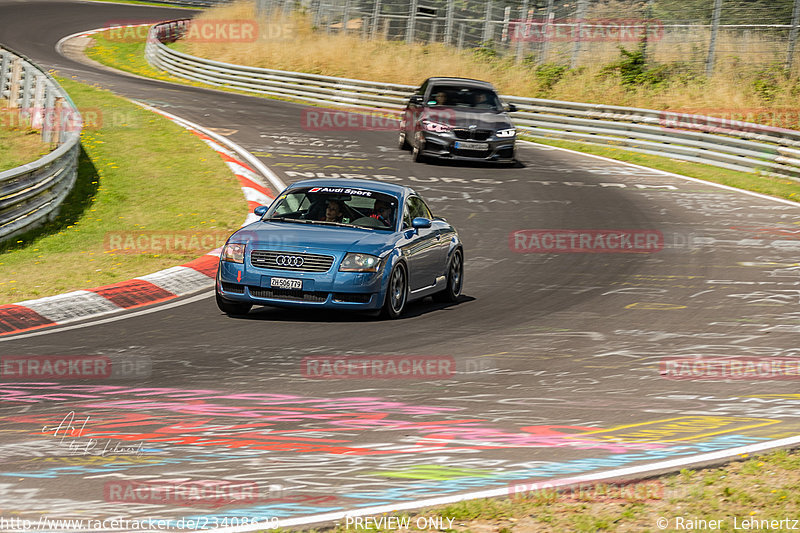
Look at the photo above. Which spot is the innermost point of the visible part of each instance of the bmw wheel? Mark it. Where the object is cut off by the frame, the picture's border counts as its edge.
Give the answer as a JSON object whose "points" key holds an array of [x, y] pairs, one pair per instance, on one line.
{"points": [[416, 153], [455, 279], [232, 308], [396, 292], [402, 141]]}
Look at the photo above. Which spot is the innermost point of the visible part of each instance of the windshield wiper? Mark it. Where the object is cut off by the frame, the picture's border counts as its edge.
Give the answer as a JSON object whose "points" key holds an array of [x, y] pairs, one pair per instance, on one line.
{"points": [[284, 219], [343, 224]]}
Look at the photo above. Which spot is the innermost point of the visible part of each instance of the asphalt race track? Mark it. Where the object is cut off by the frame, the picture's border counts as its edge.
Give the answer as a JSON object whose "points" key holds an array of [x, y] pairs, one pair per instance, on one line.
{"points": [[559, 358]]}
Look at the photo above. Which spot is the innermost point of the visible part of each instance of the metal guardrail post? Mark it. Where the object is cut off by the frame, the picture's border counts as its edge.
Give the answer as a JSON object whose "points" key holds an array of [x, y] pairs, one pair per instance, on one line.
{"points": [[521, 30], [15, 83], [712, 45], [793, 36], [412, 20], [578, 41], [376, 17]]}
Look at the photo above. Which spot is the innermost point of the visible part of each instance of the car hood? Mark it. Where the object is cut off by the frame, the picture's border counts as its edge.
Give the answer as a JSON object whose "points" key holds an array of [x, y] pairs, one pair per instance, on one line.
{"points": [[464, 118], [308, 237]]}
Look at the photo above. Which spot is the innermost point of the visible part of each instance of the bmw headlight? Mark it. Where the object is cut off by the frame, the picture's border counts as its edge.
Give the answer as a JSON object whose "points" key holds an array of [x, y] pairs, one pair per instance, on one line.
{"points": [[435, 127], [510, 132], [355, 262], [233, 252]]}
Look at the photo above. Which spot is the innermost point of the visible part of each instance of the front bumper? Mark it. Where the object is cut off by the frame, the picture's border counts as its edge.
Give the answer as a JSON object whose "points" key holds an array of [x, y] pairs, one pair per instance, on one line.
{"points": [[444, 146], [355, 291]]}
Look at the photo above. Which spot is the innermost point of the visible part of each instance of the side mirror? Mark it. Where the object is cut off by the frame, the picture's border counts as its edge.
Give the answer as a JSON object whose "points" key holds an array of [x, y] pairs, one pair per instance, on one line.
{"points": [[260, 211], [415, 99], [511, 108], [420, 222]]}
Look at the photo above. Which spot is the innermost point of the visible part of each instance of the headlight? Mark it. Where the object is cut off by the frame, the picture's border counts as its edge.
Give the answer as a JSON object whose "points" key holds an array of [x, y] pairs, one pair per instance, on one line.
{"points": [[435, 127], [233, 252], [360, 263], [510, 132]]}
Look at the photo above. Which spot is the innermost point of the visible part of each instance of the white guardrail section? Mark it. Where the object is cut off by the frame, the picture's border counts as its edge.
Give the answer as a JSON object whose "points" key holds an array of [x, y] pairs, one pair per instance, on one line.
{"points": [[730, 144], [29, 97]]}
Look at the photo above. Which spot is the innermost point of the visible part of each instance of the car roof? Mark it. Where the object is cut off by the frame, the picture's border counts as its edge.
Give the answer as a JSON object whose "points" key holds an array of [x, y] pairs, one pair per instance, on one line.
{"points": [[377, 186], [468, 82]]}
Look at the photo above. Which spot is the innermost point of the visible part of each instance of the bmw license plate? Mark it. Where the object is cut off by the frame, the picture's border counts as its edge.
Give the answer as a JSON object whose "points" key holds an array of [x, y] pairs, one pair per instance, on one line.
{"points": [[286, 283], [460, 145]]}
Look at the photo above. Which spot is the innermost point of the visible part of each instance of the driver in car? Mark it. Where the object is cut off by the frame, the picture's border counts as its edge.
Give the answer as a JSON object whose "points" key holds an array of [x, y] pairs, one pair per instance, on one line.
{"points": [[383, 212]]}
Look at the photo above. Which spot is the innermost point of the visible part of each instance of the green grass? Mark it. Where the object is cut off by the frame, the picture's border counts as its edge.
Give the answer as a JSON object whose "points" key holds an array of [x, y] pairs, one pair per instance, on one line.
{"points": [[781, 188], [762, 488], [138, 171], [18, 144], [129, 57]]}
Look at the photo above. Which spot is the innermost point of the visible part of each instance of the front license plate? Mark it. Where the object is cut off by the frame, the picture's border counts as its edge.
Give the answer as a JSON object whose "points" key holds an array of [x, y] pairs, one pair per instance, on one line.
{"points": [[460, 145], [286, 283]]}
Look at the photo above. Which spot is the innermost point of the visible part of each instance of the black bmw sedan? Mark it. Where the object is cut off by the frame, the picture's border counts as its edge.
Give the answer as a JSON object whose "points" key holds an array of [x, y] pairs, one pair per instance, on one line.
{"points": [[460, 119]]}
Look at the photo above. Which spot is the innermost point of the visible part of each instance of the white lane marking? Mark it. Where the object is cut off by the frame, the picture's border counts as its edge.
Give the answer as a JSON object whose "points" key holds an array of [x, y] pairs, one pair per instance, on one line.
{"points": [[665, 173], [607, 475], [154, 309]]}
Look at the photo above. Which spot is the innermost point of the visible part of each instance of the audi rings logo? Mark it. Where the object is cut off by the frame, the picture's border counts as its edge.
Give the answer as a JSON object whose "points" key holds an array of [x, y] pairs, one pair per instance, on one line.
{"points": [[289, 261]]}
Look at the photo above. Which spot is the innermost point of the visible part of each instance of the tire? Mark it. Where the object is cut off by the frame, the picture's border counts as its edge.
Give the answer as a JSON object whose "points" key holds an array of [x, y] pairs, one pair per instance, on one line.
{"points": [[416, 154], [402, 142], [455, 279], [396, 293], [232, 308]]}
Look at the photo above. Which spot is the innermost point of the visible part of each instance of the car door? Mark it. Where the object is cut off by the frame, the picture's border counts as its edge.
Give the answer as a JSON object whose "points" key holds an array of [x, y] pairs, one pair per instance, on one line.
{"points": [[422, 246]]}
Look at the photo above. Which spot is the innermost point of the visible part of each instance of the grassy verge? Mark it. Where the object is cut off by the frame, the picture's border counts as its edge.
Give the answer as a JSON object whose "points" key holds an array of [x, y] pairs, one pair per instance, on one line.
{"points": [[755, 488], [18, 145], [782, 188], [653, 80], [138, 172]]}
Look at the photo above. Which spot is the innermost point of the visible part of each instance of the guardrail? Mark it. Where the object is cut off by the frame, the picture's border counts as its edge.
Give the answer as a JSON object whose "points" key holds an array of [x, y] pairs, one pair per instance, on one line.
{"points": [[31, 194], [734, 145]]}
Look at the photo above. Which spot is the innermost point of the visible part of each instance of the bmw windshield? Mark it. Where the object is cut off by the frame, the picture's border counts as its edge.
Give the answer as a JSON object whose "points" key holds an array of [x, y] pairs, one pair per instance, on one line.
{"points": [[335, 206], [464, 98]]}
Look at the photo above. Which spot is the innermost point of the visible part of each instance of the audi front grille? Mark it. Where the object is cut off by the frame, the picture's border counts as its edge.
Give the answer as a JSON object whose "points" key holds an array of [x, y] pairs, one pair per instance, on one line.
{"points": [[294, 261]]}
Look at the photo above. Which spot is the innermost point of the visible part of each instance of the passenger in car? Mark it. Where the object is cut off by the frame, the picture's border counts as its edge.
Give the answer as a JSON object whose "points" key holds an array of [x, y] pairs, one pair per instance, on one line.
{"points": [[334, 210]]}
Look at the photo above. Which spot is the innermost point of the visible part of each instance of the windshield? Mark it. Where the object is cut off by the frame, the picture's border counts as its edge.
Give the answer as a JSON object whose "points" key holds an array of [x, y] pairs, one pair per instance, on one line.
{"points": [[463, 97], [335, 206]]}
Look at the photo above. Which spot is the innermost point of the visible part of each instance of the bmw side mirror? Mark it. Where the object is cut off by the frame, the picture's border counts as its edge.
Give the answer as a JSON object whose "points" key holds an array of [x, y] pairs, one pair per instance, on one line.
{"points": [[511, 108], [415, 99], [420, 222], [260, 211]]}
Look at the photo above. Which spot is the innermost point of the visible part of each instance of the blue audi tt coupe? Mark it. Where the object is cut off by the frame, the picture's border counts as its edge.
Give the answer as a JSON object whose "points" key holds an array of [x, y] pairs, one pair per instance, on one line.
{"points": [[341, 244]]}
